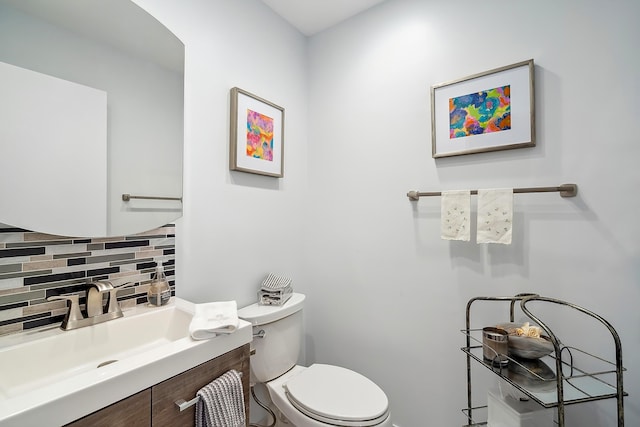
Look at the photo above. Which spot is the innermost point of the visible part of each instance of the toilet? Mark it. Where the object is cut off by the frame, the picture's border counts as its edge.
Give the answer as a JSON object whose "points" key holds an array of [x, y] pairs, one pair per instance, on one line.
{"points": [[316, 396]]}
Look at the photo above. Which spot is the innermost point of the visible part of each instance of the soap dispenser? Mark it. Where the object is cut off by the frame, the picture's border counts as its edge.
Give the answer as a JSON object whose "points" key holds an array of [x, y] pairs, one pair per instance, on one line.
{"points": [[159, 291]]}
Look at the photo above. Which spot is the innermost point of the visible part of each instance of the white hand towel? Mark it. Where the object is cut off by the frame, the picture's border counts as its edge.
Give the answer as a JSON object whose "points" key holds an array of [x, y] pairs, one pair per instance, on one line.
{"points": [[455, 210], [495, 216], [214, 318]]}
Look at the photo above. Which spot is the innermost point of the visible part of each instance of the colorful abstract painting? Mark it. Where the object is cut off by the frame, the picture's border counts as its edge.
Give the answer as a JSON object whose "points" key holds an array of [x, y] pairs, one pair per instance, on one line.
{"points": [[481, 112], [259, 136]]}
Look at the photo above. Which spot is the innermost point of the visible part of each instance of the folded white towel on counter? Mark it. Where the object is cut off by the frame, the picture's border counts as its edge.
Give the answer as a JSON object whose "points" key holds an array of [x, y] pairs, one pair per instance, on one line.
{"points": [[455, 213], [213, 318], [495, 216], [221, 402]]}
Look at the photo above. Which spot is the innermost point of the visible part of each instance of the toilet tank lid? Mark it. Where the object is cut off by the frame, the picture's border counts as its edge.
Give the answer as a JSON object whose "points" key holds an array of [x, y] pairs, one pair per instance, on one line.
{"points": [[257, 314]]}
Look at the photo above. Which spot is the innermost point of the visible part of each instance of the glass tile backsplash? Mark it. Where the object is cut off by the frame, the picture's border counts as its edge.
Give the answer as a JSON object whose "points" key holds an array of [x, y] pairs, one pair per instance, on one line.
{"points": [[35, 266]]}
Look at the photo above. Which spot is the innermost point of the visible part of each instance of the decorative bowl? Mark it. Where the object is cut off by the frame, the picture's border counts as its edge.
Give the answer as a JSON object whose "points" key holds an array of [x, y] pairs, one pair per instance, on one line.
{"points": [[526, 347], [535, 375], [530, 348]]}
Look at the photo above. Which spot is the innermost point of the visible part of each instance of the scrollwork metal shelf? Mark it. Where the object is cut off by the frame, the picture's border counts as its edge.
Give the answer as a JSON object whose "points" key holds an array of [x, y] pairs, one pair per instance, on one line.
{"points": [[569, 383]]}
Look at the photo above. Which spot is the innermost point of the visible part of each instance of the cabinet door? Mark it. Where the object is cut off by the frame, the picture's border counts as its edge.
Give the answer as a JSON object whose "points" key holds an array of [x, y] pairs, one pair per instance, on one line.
{"points": [[134, 411], [186, 385]]}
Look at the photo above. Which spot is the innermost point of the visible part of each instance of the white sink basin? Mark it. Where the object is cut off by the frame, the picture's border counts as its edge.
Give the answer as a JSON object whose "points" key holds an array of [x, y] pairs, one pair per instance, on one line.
{"points": [[53, 377]]}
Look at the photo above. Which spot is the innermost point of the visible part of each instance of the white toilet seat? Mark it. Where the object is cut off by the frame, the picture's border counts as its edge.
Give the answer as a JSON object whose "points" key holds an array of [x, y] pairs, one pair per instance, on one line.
{"points": [[337, 396]]}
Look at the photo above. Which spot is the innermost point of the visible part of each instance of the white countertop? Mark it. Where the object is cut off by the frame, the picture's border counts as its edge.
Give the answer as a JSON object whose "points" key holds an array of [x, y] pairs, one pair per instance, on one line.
{"points": [[75, 395]]}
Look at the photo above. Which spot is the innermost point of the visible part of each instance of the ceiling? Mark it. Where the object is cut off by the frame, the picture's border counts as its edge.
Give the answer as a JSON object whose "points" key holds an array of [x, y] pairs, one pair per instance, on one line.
{"points": [[314, 16], [139, 33]]}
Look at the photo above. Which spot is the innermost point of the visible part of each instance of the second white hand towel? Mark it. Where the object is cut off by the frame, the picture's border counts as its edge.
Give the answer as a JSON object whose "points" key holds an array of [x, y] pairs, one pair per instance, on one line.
{"points": [[213, 318], [455, 207], [495, 216]]}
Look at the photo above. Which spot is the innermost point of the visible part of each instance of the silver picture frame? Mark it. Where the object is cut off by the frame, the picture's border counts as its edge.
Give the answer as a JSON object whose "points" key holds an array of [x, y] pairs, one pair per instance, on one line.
{"points": [[256, 135], [488, 111]]}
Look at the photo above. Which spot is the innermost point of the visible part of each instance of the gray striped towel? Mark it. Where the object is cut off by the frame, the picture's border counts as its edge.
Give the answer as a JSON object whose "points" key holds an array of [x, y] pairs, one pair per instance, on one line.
{"points": [[221, 402], [274, 282]]}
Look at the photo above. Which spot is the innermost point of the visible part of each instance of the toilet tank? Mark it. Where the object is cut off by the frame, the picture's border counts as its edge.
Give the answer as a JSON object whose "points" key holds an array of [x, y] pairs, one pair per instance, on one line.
{"points": [[278, 349]]}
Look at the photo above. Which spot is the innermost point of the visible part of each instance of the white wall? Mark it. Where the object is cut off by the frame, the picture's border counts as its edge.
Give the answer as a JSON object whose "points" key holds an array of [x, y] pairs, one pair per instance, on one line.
{"points": [[383, 287], [386, 295], [72, 124], [237, 227]]}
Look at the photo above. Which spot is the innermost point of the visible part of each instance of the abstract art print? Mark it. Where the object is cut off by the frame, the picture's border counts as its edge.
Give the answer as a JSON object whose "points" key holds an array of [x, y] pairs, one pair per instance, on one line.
{"points": [[489, 111], [481, 112], [259, 136], [256, 135]]}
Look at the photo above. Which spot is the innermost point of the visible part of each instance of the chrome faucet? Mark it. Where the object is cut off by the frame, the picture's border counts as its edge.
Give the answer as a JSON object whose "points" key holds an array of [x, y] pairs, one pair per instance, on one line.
{"points": [[96, 311]]}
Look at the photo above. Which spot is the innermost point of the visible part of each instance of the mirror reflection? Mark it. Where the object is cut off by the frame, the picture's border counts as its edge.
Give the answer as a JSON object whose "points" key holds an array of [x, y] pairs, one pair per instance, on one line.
{"points": [[56, 184]]}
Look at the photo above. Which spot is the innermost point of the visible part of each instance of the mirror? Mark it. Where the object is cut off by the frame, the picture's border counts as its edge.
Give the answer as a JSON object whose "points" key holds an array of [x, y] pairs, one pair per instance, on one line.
{"points": [[113, 48]]}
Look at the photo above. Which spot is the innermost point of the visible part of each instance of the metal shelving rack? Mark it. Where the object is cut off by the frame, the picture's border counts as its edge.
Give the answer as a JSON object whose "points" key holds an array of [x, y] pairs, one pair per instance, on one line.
{"points": [[569, 385]]}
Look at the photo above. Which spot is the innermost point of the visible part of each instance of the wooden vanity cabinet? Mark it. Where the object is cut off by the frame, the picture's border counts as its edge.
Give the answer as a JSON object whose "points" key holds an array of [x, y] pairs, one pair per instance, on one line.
{"points": [[156, 406], [164, 411], [134, 411]]}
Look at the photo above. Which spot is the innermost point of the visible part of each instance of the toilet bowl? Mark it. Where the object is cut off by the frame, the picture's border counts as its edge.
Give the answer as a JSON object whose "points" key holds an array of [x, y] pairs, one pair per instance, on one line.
{"points": [[316, 396], [326, 395]]}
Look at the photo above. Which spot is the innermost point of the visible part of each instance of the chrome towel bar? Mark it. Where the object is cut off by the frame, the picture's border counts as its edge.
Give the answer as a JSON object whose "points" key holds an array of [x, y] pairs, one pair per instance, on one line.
{"points": [[183, 404], [126, 197], [565, 190]]}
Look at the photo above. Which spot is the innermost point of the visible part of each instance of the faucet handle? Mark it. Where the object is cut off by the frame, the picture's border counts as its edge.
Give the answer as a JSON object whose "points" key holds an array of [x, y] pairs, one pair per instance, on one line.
{"points": [[73, 314], [113, 306]]}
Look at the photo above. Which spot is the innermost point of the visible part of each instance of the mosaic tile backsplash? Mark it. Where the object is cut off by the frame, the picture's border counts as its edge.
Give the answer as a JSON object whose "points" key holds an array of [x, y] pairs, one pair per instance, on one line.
{"points": [[35, 266]]}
